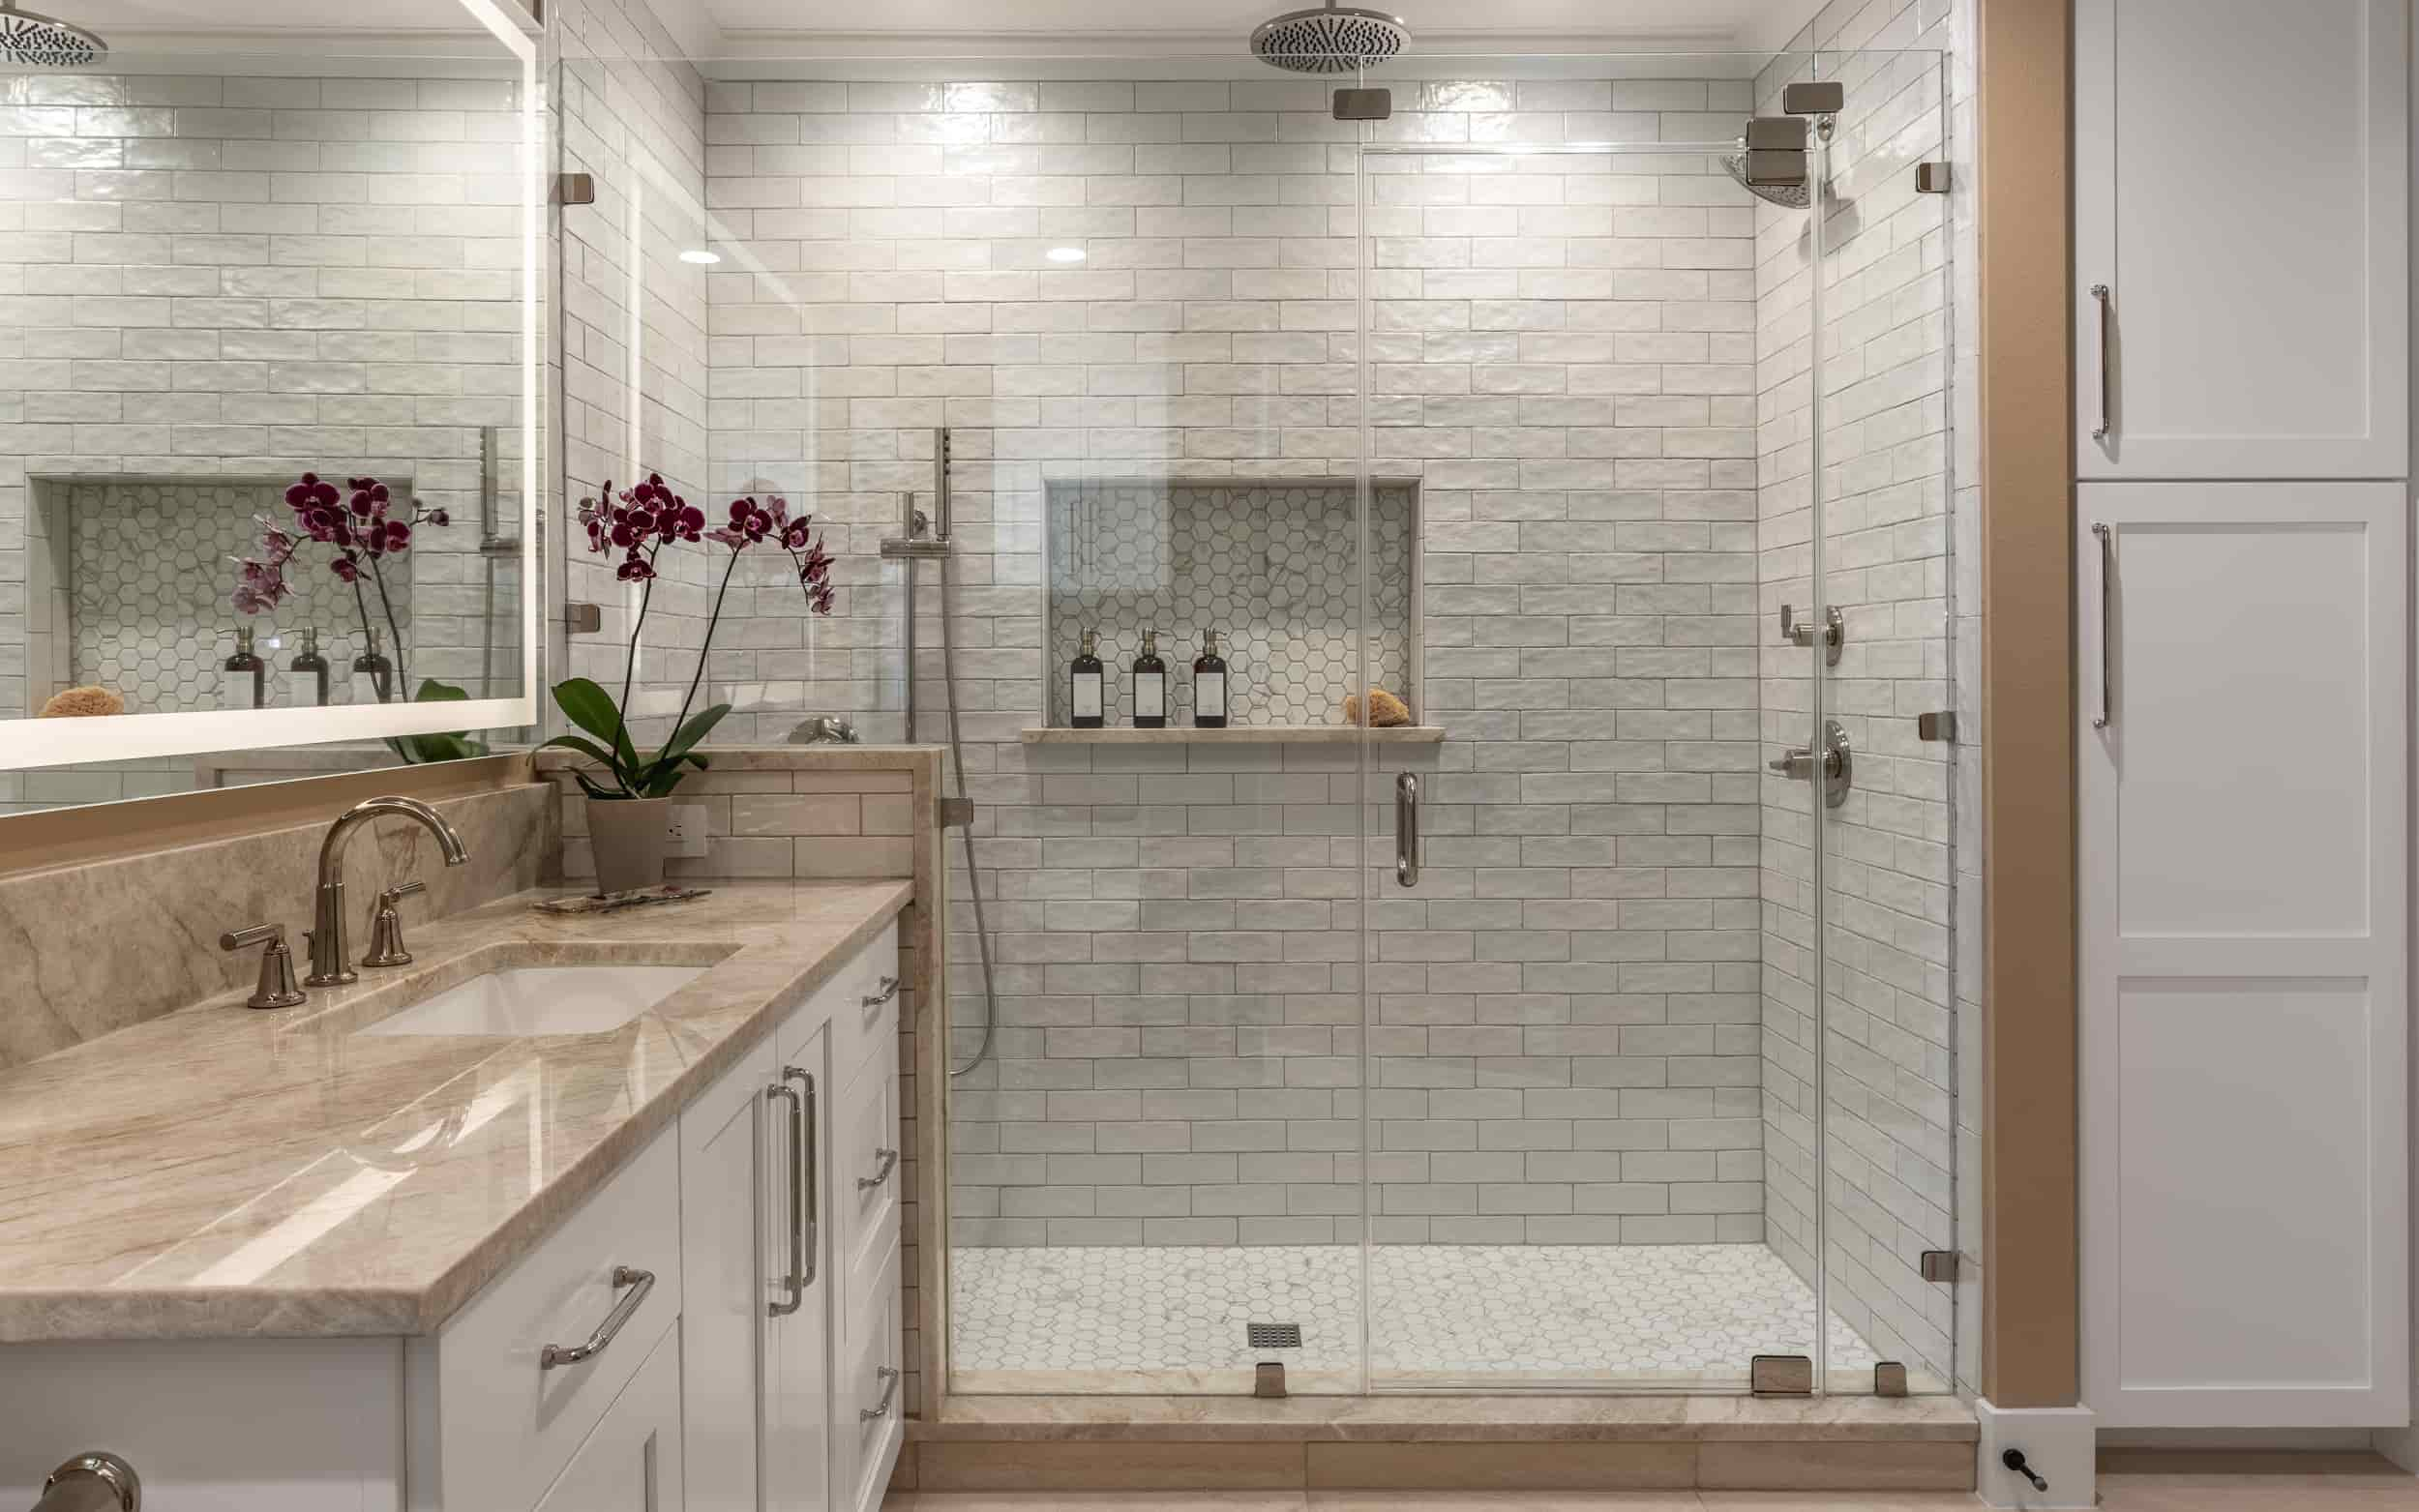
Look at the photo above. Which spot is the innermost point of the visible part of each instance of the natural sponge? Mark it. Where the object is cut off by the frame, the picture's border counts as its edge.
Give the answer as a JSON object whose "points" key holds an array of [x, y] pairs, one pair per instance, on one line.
{"points": [[1385, 711], [80, 702]]}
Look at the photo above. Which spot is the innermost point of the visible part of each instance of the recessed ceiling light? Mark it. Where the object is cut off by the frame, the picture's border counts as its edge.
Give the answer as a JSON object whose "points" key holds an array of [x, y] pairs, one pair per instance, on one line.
{"points": [[1068, 254], [699, 255]]}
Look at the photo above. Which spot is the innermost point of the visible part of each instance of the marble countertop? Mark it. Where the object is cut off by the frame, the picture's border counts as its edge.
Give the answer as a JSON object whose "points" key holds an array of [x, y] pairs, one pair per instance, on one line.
{"points": [[221, 1172]]}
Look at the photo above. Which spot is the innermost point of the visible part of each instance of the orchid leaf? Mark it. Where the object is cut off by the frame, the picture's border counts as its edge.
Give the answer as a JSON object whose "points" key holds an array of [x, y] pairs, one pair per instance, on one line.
{"points": [[592, 709]]}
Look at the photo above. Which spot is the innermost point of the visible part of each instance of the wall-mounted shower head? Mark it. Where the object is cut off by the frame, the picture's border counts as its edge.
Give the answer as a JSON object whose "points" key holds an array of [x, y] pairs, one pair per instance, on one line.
{"points": [[1789, 196], [28, 37], [1335, 40]]}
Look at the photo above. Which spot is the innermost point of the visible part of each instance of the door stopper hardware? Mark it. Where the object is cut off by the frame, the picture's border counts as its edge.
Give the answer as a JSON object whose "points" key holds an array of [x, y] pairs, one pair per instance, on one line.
{"points": [[2015, 1459], [1838, 765], [1801, 631], [639, 1283]]}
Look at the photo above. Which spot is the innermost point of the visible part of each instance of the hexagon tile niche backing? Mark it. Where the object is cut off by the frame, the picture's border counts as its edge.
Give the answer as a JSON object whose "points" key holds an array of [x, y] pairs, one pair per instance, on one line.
{"points": [[1271, 566], [150, 584]]}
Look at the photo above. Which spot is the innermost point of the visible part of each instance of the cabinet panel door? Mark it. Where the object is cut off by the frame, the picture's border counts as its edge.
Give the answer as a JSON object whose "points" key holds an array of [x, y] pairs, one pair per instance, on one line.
{"points": [[2243, 800], [798, 1447], [632, 1460], [726, 1191], [2240, 192]]}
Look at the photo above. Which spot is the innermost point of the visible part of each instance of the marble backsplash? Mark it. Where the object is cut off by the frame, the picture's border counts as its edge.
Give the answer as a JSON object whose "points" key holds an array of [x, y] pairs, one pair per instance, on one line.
{"points": [[96, 947]]}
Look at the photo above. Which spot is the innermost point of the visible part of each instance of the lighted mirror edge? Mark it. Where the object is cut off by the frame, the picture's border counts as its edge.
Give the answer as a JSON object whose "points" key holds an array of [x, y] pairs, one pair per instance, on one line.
{"points": [[31, 743]]}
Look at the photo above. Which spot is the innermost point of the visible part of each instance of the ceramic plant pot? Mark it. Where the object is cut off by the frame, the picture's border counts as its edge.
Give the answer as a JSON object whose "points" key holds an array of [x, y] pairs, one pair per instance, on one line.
{"points": [[628, 835]]}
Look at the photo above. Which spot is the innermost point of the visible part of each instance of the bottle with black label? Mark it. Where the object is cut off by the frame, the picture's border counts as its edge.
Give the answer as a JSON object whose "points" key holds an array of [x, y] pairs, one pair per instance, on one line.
{"points": [[1210, 684], [1150, 686], [243, 677], [1088, 685], [373, 675], [307, 674]]}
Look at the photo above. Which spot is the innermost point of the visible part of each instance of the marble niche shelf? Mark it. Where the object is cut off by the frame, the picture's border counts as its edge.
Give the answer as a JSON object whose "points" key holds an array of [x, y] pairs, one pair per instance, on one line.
{"points": [[1236, 736]]}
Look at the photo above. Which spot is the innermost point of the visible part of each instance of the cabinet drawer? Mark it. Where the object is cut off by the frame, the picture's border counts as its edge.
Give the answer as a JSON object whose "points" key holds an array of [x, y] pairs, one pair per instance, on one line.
{"points": [[868, 1409], [842, 1002], [866, 1147], [505, 1426], [634, 1461]]}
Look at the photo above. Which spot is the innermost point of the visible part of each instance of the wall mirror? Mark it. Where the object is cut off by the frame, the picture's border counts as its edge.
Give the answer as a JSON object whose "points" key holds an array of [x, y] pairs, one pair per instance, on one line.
{"points": [[269, 357]]}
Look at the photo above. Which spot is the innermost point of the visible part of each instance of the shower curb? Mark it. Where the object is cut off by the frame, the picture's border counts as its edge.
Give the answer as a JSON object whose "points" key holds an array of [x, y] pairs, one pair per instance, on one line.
{"points": [[1537, 1444]]}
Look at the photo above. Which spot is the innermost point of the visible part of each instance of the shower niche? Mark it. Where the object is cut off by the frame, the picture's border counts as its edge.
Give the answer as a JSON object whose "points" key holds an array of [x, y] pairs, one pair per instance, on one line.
{"points": [[1272, 565]]}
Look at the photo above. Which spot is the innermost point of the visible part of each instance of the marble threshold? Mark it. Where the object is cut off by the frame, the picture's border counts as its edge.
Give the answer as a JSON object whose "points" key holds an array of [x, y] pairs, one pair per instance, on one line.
{"points": [[1521, 1418], [221, 1171]]}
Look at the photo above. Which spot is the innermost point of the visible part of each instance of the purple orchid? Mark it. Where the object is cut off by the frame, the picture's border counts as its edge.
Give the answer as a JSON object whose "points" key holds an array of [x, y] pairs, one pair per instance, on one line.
{"points": [[361, 522]]}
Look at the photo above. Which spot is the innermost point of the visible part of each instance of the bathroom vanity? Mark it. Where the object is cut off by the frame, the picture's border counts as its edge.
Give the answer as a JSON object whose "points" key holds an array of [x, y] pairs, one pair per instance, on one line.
{"points": [[636, 1246]]}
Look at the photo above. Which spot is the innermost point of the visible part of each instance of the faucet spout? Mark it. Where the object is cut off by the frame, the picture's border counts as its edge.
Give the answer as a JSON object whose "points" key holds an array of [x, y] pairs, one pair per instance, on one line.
{"points": [[331, 962]]}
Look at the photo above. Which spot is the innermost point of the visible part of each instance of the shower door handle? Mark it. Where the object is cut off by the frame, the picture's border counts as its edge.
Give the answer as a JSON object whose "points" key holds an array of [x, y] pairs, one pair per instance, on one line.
{"points": [[1406, 829], [2100, 293]]}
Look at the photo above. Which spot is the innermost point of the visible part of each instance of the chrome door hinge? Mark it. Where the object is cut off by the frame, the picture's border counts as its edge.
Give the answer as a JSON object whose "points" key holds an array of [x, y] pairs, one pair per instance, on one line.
{"points": [[1940, 726], [584, 619], [1932, 178], [955, 812], [1782, 1376], [1940, 1266], [574, 189]]}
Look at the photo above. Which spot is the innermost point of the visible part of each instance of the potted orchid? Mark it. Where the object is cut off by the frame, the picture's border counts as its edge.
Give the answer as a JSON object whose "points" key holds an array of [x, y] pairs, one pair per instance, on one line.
{"points": [[630, 790]]}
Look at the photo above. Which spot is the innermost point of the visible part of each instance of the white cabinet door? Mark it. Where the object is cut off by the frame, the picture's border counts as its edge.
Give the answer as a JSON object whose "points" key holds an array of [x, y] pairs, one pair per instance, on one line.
{"points": [[2244, 1105], [630, 1459], [798, 1446], [2240, 192], [727, 1197]]}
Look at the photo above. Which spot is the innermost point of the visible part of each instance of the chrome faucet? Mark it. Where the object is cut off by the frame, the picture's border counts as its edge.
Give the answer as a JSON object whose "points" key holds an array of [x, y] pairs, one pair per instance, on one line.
{"points": [[331, 962]]}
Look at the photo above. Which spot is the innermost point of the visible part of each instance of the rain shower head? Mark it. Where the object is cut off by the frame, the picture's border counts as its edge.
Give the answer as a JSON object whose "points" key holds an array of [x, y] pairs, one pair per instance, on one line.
{"points": [[1336, 39], [30, 38]]}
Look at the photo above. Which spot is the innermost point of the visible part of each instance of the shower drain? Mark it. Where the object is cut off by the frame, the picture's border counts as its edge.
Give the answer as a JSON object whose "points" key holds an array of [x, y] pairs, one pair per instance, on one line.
{"points": [[1273, 1336]]}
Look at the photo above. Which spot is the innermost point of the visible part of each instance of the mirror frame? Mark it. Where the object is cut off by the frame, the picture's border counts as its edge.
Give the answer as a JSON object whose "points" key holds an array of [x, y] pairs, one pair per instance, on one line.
{"points": [[59, 742]]}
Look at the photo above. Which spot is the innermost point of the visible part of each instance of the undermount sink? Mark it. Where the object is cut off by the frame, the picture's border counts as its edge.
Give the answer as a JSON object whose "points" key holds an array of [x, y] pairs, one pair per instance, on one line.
{"points": [[525, 1001]]}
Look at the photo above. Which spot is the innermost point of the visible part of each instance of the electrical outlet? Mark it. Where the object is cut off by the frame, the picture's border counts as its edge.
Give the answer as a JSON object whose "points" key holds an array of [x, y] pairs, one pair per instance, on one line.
{"points": [[684, 833]]}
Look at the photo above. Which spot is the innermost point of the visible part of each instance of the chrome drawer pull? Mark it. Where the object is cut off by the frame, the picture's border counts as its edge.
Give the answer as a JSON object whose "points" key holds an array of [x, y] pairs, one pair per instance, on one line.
{"points": [[889, 1380], [888, 989], [795, 1278], [639, 1283], [888, 1161]]}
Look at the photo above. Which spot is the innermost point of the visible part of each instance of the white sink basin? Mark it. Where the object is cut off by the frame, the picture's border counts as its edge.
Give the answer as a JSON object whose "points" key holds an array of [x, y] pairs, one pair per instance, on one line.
{"points": [[523, 1000]]}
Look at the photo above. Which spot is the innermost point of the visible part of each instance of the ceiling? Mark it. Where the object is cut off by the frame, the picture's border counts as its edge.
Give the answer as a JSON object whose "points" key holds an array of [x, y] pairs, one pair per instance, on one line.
{"points": [[186, 16], [1184, 27]]}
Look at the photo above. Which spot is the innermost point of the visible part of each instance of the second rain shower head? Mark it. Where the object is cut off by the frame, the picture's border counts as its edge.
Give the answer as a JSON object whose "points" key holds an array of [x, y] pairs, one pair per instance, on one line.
{"points": [[1335, 40], [30, 38]]}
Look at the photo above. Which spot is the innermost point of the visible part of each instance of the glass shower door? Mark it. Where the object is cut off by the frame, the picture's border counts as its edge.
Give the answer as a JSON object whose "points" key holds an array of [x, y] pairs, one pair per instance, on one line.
{"points": [[1883, 564], [1569, 1111]]}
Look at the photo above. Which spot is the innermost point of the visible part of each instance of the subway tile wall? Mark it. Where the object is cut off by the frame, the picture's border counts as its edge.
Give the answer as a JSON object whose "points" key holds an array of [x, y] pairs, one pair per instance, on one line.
{"points": [[1565, 1042]]}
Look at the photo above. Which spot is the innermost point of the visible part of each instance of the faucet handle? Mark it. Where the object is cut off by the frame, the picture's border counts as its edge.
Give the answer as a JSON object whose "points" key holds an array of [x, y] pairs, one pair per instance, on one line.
{"points": [[386, 928], [276, 987]]}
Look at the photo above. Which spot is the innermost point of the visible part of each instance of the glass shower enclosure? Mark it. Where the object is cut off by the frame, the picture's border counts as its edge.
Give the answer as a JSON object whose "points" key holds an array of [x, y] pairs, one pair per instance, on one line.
{"points": [[1617, 493]]}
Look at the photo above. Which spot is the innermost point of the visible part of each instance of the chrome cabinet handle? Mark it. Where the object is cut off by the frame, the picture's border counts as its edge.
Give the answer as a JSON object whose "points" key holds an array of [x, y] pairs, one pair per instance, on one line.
{"points": [[639, 1283], [2107, 625], [889, 1380], [888, 989], [889, 1162], [2107, 363], [795, 1278], [809, 1239], [1407, 829]]}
